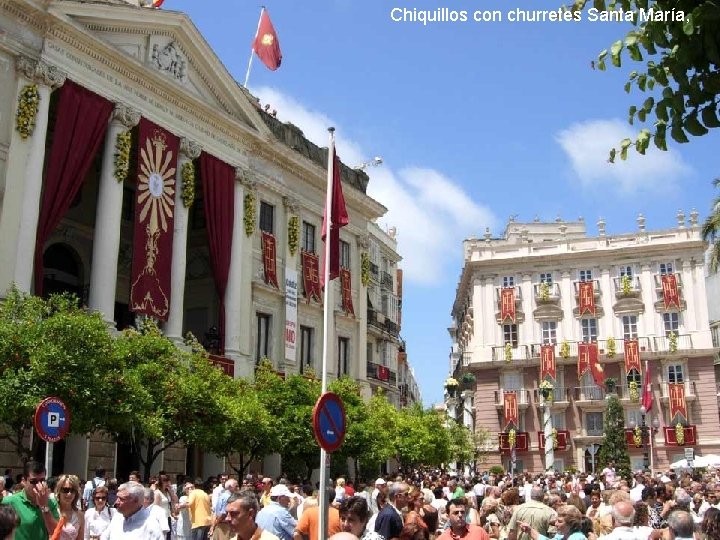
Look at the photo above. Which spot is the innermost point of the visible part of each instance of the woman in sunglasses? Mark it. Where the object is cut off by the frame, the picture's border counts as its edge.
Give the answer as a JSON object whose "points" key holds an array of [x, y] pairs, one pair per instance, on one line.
{"points": [[97, 519], [71, 525]]}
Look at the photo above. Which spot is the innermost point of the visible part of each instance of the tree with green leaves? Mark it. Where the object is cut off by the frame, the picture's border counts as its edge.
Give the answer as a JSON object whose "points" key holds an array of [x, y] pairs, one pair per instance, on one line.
{"points": [[52, 348], [421, 437], [614, 446], [357, 436], [679, 44], [711, 230]]}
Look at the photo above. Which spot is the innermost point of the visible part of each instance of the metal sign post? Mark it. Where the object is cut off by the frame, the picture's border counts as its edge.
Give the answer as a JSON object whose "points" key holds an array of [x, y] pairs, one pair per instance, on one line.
{"points": [[52, 423]]}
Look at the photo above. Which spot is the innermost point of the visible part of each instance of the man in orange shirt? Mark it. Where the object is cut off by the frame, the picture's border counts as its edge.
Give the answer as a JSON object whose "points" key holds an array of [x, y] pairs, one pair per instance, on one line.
{"points": [[459, 529], [200, 512], [309, 524]]}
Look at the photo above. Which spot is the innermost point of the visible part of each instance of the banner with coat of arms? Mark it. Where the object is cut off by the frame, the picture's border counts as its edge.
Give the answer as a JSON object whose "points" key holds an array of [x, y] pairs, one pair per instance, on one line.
{"points": [[311, 276], [507, 304], [346, 288], [548, 370], [671, 296], [154, 220], [586, 294], [632, 356], [269, 259]]}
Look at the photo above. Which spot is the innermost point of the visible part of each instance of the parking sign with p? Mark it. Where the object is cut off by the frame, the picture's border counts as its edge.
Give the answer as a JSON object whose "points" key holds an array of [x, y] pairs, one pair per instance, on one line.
{"points": [[52, 420]]}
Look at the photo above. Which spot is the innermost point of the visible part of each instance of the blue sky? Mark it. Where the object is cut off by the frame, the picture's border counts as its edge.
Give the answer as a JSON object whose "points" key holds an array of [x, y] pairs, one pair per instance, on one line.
{"points": [[475, 122]]}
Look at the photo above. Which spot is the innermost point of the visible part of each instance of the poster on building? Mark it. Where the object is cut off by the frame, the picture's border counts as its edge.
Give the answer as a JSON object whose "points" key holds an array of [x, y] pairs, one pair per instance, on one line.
{"points": [[291, 296]]}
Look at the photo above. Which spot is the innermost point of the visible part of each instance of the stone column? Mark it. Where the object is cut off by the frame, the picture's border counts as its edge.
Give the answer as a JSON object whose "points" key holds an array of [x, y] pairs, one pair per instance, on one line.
{"points": [[606, 323], [491, 328], [106, 244], [528, 329], [238, 298], [688, 294], [568, 325], [24, 178], [647, 324], [189, 151]]}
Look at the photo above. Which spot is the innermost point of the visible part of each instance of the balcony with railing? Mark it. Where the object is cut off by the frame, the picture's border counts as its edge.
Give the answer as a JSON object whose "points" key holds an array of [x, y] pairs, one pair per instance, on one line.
{"points": [[657, 278], [627, 286], [374, 270], [690, 394], [501, 353], [381, 373], [644, 345], [592, 394], [546, 292], [523, 397], [386, 280], [518, 294], [682, 342], [596, 288], [560, 398]]}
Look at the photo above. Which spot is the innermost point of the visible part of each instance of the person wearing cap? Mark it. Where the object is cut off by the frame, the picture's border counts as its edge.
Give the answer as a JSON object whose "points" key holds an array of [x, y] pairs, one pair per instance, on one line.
{"points": [[275, 517], [380, 485]]}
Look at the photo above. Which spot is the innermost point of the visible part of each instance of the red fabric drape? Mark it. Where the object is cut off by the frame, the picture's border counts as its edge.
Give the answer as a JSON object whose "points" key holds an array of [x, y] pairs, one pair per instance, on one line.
{"points": [[218, 184], [80, 126]]}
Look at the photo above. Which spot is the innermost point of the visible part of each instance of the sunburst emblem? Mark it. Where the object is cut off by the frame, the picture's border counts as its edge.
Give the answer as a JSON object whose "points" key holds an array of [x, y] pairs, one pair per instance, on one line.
{"points": [[156, 183], [267, 39]]}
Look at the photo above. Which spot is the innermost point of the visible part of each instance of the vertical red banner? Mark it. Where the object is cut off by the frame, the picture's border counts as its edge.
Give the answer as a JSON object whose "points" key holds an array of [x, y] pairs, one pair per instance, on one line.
{"points": [[671, 296], [678, 408], [596, 369], [632, 356], [154, 220], [346, 287], [547, 363], [586, 294], [311, 276], [583, 359], [383, 373], [269, 259], [507, 304], [510, 406]]}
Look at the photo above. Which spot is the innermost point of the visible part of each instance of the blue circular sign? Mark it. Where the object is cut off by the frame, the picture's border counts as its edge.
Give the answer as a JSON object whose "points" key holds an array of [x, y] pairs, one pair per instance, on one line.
{"points": [[329, 421], [52, 420]]}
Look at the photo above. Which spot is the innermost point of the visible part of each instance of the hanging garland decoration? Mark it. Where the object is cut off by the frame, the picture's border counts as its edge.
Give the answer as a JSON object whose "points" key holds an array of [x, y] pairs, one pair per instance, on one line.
{"points": [[544, 291], [626, 282], [565, 350], [637, 436], [554, 435], [612, 348], [188, 184], [365, 269], [508, 352], [546, 389], [634, 392], [293, 234], [673, 342], [680, 433], [512, 437], [28, 104], [123, 142], [249, 214]]}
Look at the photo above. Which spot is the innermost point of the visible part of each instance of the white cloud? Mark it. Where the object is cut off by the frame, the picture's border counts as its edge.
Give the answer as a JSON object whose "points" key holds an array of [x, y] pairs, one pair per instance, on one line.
{"points": [[431, 212], [587, 144]]}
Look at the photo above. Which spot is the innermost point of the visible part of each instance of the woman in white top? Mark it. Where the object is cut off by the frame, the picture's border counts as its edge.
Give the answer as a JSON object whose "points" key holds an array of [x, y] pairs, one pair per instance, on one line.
{"points": [[97, 519], [183, 513], [72, 522], [166, 499]]}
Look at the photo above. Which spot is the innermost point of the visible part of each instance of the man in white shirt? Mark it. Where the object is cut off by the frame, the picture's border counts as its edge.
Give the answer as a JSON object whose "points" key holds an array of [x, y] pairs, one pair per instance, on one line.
{"points": [[218, 490], [91, 486], [623, 516], [380, 485], [132, 521], [636, 491]]}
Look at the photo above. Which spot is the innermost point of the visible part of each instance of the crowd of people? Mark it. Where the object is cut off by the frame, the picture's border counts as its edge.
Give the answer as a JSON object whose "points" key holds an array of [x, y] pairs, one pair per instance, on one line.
{"points": [[421, 505]]}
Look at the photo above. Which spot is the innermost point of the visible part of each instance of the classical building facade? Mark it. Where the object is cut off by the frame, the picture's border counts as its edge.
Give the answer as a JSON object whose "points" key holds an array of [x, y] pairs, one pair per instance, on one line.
{"points": [[547, 302], [180, 176]]}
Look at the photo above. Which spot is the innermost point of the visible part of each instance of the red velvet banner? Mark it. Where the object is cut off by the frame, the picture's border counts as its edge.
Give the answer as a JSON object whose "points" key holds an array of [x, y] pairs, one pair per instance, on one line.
{"points": [[689, 436], [507, 304], [563, 438], [510, 406], [586, 295], [154, 219], [678, 407], [346, 287], [632, 356], [269, 264], [383, 373], [522, 441], [311, 277], [547, 363], [583, 359], [671, 296], [588, 360]]}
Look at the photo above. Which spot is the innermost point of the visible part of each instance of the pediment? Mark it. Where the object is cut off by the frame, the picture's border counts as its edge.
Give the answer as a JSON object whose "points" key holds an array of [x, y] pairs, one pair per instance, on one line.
{"points": [[166, 44]]}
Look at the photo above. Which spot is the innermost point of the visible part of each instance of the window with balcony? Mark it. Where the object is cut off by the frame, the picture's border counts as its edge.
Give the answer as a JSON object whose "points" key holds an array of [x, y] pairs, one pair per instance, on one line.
{"points": [[343, 367], [510, 335], [671, 322], [344, 254], [559, 420], [588, 329], [508, 281], [629, 323], [594, 423], [626, 271], [635, 377], [585, 275], [267, 217], [549, 332], [715, 333], [546, 278], [262, 343], [308, 237], [666, 268], [675, 374], [306, 343], [633, 416]]}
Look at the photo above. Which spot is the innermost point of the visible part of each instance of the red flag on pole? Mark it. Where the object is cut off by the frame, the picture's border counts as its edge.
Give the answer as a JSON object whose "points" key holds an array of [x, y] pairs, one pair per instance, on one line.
{"points": [[157, 3], [338, 218], [266, 44], [647, 398]]}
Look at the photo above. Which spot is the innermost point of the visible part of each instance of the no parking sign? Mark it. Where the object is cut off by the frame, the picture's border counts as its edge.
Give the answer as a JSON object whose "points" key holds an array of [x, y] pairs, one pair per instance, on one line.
{"points": [[52, 420]]}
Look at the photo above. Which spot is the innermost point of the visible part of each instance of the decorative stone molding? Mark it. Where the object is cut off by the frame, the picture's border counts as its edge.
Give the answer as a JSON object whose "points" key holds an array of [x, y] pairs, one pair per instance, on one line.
{"points": [[363, 241], [246, 178], [190, 148], [127, 116], [291, 204], [170, 60], [40, 73]]}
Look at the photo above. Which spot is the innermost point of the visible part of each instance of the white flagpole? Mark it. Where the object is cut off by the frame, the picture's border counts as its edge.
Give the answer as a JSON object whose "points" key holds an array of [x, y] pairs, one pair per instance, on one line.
{"points": [[252, 51], [327, 312]]}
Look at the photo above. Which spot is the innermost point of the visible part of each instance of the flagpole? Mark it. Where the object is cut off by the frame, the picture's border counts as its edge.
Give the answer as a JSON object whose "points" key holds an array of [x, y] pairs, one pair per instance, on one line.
{"points": [[252, 50], [327, 312]]}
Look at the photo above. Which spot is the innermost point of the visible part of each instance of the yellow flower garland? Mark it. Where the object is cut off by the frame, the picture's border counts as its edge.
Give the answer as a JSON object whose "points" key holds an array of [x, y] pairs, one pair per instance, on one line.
{"points": [[249, 215], [28, 104], [512, 438], [544, 291], [188, 184], [634, 391], [637, 436], [680, 433], [123, 142], [508, 352], [612, 348], [365, 269], [293, 234], [565, 349], [554, 435]]}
